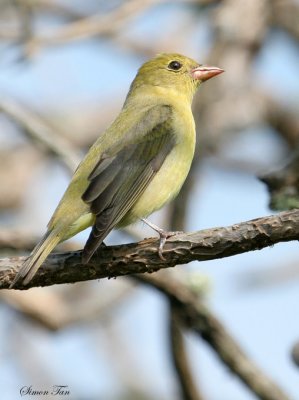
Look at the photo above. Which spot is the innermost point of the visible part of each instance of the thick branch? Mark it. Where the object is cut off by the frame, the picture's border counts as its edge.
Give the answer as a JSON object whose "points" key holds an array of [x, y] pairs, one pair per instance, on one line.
{"points": [[143, 257]]}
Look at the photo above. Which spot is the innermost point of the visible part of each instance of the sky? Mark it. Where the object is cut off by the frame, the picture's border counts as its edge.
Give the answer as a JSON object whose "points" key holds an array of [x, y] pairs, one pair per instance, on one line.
{"points": [[261, 317]]}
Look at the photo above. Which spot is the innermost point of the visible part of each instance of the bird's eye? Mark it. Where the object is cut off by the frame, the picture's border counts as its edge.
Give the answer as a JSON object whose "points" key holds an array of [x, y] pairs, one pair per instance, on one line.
{"points": [[175, 65]]}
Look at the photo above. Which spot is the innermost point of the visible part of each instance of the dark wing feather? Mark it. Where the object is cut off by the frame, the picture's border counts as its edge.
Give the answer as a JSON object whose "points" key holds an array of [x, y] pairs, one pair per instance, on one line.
{"points": [[115, 187]]}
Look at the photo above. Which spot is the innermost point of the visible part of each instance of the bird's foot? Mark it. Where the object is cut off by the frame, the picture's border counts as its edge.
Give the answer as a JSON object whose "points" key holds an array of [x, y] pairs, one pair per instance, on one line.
{"points": [[164, 235]]}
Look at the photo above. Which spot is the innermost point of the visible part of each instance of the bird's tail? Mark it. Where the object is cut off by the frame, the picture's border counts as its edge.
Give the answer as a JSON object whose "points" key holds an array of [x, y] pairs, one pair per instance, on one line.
{"points": [[37, 257]]}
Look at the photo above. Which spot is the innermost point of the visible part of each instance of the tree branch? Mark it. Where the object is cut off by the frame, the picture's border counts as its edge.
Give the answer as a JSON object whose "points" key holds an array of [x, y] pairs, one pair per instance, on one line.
{"points": [[295, 354], [143, 257], [283, 185], [39, 131], [99, 24], [188, 388], [197, 317], [285, 15]]}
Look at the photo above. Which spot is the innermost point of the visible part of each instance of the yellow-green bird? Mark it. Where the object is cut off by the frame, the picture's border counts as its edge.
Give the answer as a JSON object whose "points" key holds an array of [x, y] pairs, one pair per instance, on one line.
{"points": [[137, 165]]}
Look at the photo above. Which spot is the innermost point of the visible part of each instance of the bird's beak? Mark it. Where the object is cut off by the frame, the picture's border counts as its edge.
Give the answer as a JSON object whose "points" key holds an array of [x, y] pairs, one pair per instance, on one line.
{"points": [[205, 72]]}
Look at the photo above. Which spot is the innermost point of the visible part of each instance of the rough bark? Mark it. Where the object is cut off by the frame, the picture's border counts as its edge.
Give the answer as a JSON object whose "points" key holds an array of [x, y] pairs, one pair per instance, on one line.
{"points": [[143, 257]]}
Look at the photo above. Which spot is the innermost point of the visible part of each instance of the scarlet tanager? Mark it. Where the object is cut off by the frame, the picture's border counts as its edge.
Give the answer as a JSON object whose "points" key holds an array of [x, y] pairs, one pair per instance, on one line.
{"points": [[137, 165]]}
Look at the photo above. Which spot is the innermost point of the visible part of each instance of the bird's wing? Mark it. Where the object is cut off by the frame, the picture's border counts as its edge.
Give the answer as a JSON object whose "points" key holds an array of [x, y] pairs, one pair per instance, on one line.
{"points": [[119, 179]]}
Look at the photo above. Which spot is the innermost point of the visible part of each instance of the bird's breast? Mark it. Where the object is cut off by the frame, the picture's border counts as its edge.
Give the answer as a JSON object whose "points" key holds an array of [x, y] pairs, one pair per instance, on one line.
{"points": [[168, 181]]}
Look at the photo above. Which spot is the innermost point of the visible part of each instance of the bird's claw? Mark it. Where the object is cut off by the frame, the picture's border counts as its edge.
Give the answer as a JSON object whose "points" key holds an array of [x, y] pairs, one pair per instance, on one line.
{"points": [[161, 246], [164, 235]]}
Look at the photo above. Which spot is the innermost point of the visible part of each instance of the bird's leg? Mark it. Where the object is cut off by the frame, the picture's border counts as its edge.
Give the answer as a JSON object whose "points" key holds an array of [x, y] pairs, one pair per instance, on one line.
{"points": [[163, 235], [100, 248]]}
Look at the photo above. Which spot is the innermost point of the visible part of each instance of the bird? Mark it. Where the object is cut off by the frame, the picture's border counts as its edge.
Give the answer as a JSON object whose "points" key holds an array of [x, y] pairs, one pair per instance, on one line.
{"points": [[136, 166]]}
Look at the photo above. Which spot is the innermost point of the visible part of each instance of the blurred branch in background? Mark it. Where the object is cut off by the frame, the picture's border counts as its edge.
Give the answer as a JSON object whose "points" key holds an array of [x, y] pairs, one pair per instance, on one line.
{"points": [[92, 26], [16, 165], [238, 102], [16, 240], [104, 25], [40, 132], [295, 354], [283, 185], [285, 15], [57, 310], [23, 240], [196, 316], [237, 33], [189, 390]]}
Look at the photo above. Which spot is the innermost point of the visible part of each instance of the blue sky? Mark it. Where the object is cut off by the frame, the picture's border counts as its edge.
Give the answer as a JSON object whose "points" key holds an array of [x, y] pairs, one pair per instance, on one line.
{"points": [[262, 319]]}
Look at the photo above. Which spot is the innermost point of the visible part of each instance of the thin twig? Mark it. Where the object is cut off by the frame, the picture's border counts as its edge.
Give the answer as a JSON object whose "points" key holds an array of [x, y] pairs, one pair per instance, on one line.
{"points": [[94, 25], [179, 357], [39, 131]]}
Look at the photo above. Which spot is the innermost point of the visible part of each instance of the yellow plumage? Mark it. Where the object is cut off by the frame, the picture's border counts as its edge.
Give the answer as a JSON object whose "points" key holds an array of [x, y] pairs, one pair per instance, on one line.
{"points": [[137, 165]]}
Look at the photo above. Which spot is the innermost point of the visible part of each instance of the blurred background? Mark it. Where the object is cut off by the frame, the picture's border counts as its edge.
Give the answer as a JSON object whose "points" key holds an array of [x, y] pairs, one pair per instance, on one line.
{"points": [[65, 69]]}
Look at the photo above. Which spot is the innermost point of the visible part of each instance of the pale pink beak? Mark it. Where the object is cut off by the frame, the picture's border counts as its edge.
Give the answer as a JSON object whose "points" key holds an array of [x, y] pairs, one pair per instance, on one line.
{"points": [[205, 72]]}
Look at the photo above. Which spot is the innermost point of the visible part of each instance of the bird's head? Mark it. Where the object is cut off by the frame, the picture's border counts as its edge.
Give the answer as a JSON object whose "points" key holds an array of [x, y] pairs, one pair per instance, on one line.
{"points": [[174, 71]]}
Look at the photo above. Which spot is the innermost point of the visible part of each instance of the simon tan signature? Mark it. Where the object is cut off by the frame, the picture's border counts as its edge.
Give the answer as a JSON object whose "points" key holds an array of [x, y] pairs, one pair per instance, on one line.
{"points": [[56, 390]]}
